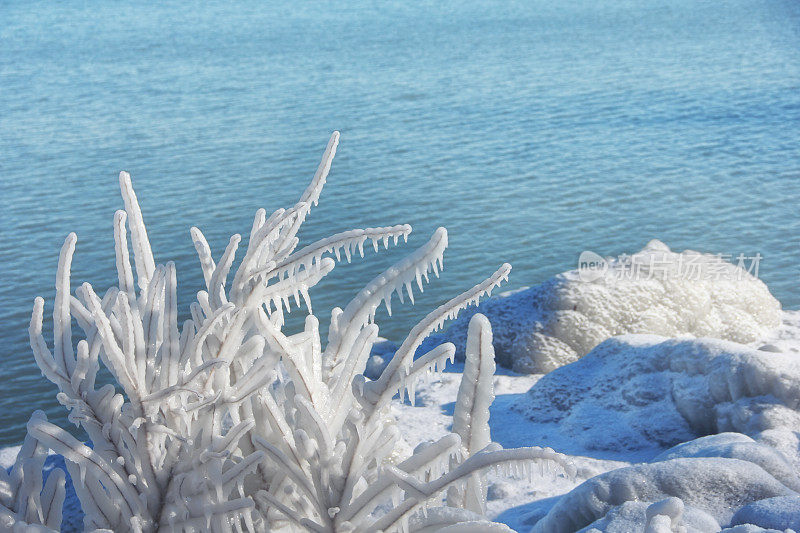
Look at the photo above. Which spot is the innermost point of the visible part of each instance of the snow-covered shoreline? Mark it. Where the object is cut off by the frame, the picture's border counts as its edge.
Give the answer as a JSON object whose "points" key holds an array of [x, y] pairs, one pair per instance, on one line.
{"points": [[652, 398], [521, 503]]}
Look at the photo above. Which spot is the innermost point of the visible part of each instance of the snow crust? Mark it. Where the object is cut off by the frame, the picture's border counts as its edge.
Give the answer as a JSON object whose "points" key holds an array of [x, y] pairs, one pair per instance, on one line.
{"points": [[8, 455], [630, 516], [547, 326], [737, 446]]}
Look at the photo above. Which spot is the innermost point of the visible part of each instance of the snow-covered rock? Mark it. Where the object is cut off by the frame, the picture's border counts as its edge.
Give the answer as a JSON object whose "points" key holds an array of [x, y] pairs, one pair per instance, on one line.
{"points": [[702, 485], [632, 516], [710, 487], [654, 291], [737, 446], [643, 391]]}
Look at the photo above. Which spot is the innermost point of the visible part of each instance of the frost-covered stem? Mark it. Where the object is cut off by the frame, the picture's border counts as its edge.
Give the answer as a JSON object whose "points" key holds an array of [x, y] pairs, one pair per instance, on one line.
{"points": [[63, 371], [438, 451], [76, 452], [347, 241], [471, 413], [62, 323], [381, 391], [145, 265], [361, 308], [26, 505], [418, 493]]}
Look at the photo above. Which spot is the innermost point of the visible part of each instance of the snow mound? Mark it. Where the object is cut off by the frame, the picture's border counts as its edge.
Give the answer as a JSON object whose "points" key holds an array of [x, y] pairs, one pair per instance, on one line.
{"points": [[654, 291], [710, 487], [642, 391], [737, 446]]}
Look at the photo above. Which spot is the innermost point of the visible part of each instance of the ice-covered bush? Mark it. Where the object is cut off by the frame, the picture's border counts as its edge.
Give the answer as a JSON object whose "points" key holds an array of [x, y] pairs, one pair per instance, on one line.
{"points": [[160, 453], [654, 291], [226, 423]]}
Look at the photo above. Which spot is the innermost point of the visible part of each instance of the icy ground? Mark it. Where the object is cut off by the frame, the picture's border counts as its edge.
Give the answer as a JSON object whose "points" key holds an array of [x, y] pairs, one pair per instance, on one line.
{"points": [[523, 504]]}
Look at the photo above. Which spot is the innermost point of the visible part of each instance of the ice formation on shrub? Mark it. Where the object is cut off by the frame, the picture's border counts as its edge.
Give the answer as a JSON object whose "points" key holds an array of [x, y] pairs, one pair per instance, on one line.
{"points": [[161, 453], [547, 326], [26, 505], [665, 516], [642, 391], [227, 423]]}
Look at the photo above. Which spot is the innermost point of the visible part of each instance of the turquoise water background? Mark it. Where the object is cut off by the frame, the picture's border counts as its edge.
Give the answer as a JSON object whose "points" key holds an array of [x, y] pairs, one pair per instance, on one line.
{"points": [[531, 130]]}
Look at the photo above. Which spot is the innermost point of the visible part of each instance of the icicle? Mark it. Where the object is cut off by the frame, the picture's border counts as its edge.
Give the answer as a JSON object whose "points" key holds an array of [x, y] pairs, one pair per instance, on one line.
{"points": [[296, 294], [306, 297], [418, 276]]}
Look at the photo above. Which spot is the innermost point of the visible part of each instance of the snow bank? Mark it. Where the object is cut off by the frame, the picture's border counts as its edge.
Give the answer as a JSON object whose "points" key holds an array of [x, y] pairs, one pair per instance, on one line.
{"points": [[642, 391], [633, 391], [655, 291]]}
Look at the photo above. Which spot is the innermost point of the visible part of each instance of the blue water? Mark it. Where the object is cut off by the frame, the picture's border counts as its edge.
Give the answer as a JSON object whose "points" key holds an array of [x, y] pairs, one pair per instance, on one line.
{"points": [[531, 130]]}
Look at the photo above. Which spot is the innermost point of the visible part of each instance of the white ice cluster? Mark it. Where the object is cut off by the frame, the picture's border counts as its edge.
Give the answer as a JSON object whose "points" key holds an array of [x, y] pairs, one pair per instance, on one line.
{"points": [[642, 391], [226, 423], [654, 291]]}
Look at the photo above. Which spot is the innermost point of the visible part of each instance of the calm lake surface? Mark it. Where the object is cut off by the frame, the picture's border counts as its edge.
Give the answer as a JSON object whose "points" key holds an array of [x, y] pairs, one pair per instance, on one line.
{"points": [[531, 130]]}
